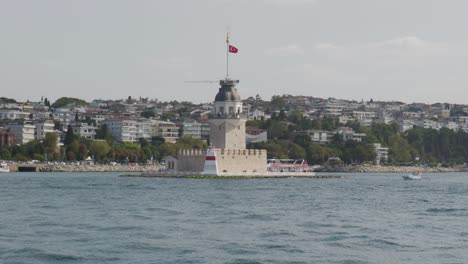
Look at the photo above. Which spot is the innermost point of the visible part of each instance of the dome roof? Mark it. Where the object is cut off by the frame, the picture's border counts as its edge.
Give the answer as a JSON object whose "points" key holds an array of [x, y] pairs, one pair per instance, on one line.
{"points": [[227, 95], [227, 92]]}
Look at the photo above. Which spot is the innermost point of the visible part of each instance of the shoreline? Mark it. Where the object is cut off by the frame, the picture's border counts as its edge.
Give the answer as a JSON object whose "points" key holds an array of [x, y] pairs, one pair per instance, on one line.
{"points": [[393, 169], [14, 167]]}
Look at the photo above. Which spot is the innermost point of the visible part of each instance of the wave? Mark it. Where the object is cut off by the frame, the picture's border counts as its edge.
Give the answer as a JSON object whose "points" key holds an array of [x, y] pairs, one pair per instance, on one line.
{"points": [[445, 210]]}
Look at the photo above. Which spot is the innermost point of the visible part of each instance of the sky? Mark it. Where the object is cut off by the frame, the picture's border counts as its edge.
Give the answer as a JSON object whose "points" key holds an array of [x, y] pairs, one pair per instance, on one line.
{"points": [[403, 50]]}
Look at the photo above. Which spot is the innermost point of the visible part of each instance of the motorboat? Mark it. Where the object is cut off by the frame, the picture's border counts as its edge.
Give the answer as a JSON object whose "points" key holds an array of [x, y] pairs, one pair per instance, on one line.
{"points": [[4, 167], [412, 176]]}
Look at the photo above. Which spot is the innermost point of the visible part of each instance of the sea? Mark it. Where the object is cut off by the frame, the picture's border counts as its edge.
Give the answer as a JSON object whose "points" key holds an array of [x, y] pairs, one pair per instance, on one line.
{"points": [[107, 218]]}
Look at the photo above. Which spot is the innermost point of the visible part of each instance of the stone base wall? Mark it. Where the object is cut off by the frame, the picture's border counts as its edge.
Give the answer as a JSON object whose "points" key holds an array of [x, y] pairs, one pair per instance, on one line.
{"points": [[241, 161], [235, 161], [192, 160]]}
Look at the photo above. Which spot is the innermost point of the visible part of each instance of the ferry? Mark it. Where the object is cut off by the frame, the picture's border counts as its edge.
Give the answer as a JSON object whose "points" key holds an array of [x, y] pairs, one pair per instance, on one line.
{"points": [[4, 167], [287, 165]]}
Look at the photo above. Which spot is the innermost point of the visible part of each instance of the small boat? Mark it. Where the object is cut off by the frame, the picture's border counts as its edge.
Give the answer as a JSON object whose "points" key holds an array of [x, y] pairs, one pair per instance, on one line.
{"points": [[412, 176], [4, 167]]}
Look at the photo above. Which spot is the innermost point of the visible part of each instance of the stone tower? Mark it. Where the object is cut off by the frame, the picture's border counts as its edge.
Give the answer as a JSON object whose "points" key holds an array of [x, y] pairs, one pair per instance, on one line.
{"points": [[227, 123]]}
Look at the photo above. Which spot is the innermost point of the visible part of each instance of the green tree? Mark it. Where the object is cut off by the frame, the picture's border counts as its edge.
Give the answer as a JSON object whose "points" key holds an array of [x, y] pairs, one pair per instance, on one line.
{"points": [[100, 150], [104, 133], [50, 146], [277, 102], [295, 151], [64, 101], [5, 154], [69, 136], [148, 114], [82, 151]]}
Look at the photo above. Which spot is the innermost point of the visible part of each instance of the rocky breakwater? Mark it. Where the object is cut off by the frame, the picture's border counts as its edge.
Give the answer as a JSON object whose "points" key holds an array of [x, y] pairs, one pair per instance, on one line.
{"points": [[98, 168], [399, 169]]}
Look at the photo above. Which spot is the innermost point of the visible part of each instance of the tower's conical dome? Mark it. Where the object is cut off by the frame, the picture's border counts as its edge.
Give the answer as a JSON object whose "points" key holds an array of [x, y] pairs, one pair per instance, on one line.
{"points": [[228, 92]]}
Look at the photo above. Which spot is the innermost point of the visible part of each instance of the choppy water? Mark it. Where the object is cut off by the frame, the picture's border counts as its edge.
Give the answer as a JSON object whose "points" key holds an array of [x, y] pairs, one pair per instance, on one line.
{"points": [[362, 218]]}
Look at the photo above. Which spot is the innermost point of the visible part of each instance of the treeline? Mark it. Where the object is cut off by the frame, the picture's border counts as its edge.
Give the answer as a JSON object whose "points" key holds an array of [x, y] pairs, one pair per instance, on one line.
{"points": [[416, 146], [287, 140], [102, 150]]}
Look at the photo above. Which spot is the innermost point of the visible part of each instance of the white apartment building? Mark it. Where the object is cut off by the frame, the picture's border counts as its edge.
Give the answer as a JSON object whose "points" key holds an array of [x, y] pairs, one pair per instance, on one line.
{"points": [[192, 129], [84, 130], [412, 115], [364, 115], [255, 135], [257, 115], [167, 130], [462, 119], [64, 115], [24, 133], [42, 128], [144, 129], [123, 130], [406, 125], [320, 136], [13, 114], [431, 124], [381, 153], [452, 125]]}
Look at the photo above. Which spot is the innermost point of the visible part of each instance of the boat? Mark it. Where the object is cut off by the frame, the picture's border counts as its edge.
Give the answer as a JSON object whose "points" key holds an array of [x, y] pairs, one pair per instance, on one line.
{"points": [[287, 165], [412, 176], [4, 167]]}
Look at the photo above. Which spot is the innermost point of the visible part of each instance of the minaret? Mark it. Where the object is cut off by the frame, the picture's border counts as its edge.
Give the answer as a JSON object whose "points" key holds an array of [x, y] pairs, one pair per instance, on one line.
{"points": [[227, 123]]}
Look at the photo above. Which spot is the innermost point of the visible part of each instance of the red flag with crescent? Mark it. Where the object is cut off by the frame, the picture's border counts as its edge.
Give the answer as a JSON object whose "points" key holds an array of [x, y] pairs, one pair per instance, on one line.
{"points": [[233, 49]]}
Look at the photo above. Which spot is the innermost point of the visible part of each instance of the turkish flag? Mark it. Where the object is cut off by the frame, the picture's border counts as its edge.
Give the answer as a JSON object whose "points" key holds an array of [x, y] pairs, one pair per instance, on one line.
{"points": [[233, 49]]}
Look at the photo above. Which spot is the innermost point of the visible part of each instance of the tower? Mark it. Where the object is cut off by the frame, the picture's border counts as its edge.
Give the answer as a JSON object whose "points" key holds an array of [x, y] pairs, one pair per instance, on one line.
{"points": [[227, 124]]}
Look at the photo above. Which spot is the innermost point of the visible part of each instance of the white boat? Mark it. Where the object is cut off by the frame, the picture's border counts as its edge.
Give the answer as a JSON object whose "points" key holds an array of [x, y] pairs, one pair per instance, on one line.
{"points": [[4, 167], [412, 176]]}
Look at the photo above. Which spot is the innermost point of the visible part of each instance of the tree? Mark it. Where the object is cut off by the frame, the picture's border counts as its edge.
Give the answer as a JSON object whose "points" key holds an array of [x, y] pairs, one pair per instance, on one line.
{"points": [[100, 149], [168, 116], [295, 116], [82, 152], [277, 129], [104, 133], [277, 102], [50, 145], [64, 101], [148, 114], [69, 136], [296, 152], [5, 154]]}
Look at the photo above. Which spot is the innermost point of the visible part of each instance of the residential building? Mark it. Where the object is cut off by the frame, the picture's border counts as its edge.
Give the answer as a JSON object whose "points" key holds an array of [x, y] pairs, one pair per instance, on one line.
{"points": [[381, 153], [64, 115], [24, 133], [321, 136], [257, 115], [13, 114], [192, 129], [255, 135], [123, 130], [84, 130], [205, 131], [348, 133], [167, 130], [7, 137], [143, 128], [42, 128]]}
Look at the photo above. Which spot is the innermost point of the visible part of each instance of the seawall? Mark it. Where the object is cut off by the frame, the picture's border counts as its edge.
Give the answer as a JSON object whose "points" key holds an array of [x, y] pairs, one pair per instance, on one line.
{"points": [[82, 168]]}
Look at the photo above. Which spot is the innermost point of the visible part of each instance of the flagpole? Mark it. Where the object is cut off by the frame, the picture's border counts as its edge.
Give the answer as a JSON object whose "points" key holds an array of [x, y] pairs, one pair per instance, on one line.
{"points": [[227, 55]]}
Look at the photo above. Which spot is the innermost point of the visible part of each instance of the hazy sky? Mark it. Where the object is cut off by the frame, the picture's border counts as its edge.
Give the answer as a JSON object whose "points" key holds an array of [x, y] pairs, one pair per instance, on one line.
{"points": [[408, 50]]}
